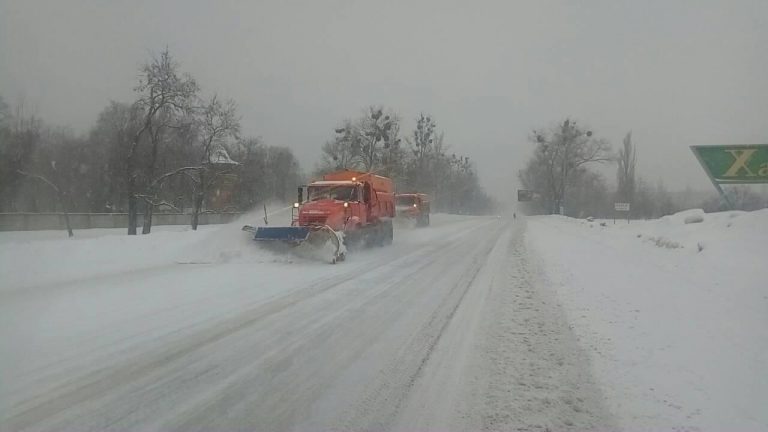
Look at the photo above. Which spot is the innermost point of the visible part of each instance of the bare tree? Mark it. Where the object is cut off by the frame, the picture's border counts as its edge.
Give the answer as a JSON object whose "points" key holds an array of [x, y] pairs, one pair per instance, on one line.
{"points": [[218, 121], [343, 152], [111, 138], [367, 144], [165, 98], [625, 176], [422, 146], [560, 151], [378, 131], [21, 135], [61, 195]]}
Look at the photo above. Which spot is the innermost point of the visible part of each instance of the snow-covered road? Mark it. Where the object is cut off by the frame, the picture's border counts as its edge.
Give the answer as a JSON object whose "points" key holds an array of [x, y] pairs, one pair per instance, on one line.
{"points": [[445, 329]]}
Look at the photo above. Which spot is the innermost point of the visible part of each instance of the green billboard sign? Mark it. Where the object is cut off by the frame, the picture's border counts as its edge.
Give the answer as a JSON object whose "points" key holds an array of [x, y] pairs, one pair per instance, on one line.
{"points": [[734, 164]]}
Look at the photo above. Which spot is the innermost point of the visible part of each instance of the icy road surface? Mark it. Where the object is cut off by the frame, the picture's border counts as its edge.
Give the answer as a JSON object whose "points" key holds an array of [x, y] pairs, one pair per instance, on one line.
{"points": [[444, 330]]}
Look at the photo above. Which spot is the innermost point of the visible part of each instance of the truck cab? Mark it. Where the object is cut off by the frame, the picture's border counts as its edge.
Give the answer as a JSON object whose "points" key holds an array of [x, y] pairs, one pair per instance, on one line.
{"points": [[333, 203], [348, 201], [413, 206]]}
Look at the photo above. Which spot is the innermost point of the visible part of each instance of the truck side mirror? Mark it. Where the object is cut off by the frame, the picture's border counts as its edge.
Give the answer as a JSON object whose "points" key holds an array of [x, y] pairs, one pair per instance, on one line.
{"points": [[300, 195], [367, 193]]}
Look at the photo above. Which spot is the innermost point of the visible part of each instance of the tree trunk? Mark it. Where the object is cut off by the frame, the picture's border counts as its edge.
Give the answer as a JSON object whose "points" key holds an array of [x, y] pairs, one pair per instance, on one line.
{"points": [[197, 208], [147, 227], [65, 208], [66, 221], [133, 213]]}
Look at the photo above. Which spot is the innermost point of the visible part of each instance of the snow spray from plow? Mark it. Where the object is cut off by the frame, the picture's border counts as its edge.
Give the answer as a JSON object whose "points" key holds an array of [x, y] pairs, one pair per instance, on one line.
{"points": [[320, 242]]}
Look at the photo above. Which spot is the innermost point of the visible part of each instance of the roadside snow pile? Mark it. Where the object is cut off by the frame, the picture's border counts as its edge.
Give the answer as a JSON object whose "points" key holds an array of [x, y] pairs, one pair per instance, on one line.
{"points": [[674, 315], [694, 231], [34, 262]]}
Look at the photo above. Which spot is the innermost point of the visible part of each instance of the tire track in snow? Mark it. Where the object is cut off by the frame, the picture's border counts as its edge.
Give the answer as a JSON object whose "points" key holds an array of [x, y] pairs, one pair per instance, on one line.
{"points": [[383, 400], [85, 392]]}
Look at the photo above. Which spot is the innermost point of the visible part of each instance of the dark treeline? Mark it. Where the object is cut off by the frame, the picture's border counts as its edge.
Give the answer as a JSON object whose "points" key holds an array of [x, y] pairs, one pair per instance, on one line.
{"points": [[172, 148], [164, 151], [561, 173], [418, 161]]}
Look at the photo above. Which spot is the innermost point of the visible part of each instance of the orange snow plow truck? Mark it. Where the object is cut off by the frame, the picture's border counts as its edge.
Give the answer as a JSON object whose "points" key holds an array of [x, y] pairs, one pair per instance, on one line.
{"points": [[344, 209], [413, 206]]}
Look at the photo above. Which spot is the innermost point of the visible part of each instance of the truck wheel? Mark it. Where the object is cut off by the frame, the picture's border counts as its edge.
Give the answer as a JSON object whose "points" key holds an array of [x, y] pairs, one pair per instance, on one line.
{"points": [[381, 234], [389, 233], [353, 239], [371, 236]]}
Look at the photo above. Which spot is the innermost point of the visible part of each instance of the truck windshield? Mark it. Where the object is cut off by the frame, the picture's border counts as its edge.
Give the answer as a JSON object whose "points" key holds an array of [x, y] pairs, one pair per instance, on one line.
{"points": [[339, 193], [403, 201]]}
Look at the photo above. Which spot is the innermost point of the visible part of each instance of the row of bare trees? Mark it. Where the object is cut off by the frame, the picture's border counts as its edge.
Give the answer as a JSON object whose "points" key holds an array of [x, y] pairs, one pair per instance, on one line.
{"points": [[419, 161], [560, 173], [165, 150], [169, 147]]}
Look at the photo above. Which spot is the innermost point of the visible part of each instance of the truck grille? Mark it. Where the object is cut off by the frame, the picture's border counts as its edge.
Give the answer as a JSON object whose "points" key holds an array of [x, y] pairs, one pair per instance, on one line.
{"points": [[315, 219]]}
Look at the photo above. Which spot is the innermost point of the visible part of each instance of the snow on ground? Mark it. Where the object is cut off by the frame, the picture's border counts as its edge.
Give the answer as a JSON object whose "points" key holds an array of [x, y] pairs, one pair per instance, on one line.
{"points": [[244, 339], [654, 325], [43, 235], [36, 258], [674, 316]]}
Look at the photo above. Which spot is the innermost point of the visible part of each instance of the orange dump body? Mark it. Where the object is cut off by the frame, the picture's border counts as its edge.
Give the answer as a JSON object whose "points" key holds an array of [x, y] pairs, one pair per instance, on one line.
{"points": [[380, 183]]}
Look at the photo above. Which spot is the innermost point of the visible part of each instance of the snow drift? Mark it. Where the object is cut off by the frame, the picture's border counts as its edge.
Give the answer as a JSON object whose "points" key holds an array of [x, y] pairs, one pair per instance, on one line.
{"points": [[673, 314], [34, 259]]}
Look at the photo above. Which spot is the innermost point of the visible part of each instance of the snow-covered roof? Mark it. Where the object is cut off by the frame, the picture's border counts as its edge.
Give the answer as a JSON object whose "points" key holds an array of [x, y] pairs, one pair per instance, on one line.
{"points": [[221, 157]]}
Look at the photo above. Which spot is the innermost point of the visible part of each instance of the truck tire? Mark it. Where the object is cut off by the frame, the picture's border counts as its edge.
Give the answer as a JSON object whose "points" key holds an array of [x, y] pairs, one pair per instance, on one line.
{"points": [[371, 236], [354, 238], [389, 233], [381, 234]]}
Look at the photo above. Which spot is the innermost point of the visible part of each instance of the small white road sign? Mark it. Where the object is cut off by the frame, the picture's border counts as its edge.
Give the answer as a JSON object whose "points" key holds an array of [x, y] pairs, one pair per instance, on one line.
{"points": [[621, 207]]}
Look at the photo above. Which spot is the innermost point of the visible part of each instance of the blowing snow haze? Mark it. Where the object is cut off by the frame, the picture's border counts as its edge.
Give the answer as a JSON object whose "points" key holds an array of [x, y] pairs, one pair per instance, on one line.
{"points": [[674, 73], [499, 224]]}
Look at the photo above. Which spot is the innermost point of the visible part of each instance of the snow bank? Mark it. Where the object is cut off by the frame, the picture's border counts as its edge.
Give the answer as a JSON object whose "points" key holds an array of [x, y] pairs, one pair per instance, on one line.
{"points": [[30, 258], [38, 258], [673, 314]]}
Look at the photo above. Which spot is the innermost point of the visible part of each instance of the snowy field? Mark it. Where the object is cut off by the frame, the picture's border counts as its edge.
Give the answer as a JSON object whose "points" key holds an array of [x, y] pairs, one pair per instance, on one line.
{"points": [[474, 323], [674, 316]]}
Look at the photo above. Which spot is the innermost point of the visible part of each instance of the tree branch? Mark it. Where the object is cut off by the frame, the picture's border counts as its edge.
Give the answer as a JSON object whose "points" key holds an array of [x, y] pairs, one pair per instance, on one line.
{"points": [[158, 181], [150, 200], [41, 178]]}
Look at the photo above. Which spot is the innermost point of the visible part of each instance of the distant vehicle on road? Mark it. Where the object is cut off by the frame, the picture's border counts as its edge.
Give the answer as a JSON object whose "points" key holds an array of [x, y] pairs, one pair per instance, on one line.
{"points": [[413, 206]]}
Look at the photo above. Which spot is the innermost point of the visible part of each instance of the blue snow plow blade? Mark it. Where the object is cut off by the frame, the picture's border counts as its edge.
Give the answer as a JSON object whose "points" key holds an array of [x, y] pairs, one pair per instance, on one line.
{"points": [[288, 234]]}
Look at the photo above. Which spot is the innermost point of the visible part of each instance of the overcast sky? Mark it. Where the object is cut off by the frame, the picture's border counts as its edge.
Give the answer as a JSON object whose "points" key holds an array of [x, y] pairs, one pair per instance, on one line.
{"points": [[676, 73]]}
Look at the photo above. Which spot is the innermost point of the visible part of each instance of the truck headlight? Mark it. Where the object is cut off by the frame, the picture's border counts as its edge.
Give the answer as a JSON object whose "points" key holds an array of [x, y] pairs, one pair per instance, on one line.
{"points": [[296, 205]]}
